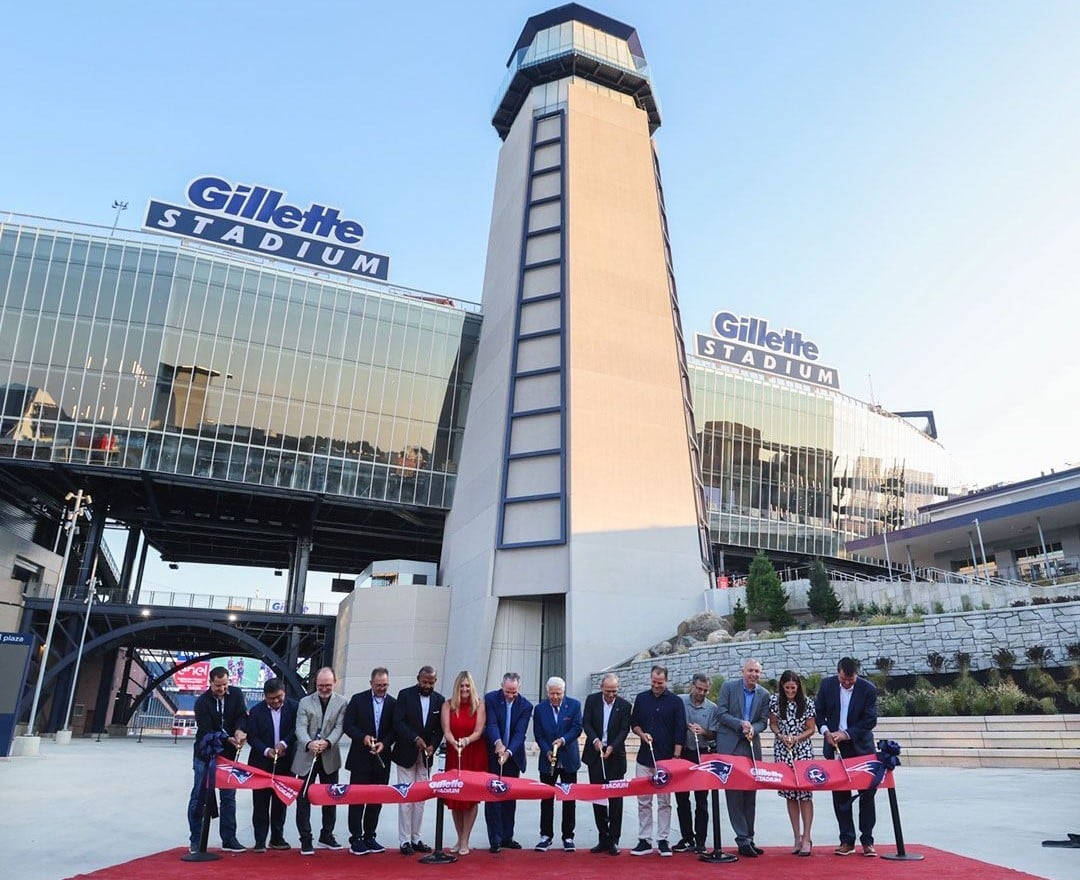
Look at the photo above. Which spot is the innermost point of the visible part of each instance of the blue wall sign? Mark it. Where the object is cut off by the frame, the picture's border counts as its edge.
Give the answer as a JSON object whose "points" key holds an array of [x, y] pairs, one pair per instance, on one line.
{"points": [[257, 219], [747, 342]]}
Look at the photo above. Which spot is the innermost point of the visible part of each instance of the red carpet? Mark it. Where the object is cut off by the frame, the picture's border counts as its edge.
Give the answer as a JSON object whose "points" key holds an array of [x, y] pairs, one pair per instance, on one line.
{"points": [[581, 865]]}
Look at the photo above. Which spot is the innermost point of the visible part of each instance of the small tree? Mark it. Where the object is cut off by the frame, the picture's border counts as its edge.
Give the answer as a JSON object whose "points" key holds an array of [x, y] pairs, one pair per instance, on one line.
{"points": [[822, 599], [765, 595], [738, 616]]}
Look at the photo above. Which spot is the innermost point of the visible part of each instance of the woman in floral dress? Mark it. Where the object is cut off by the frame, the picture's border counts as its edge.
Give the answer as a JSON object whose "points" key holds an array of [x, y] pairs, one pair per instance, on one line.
{"points": [[791, 719]]}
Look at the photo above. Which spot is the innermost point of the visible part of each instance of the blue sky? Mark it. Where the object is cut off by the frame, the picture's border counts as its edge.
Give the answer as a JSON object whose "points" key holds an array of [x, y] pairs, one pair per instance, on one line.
{"points": [[899, 181]]}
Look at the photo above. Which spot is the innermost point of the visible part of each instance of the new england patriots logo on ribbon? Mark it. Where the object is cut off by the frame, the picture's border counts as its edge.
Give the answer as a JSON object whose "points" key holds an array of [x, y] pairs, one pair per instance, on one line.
{"points": [[337, 790], [497, 786], [817, 775], [241, 776], [402, 788], [875, 768], [720, 769], [660, 778], [564, 787]]}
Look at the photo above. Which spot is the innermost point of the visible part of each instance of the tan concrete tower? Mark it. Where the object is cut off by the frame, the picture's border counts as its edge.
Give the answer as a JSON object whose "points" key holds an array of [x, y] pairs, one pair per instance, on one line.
{"points": [[577, 533]]}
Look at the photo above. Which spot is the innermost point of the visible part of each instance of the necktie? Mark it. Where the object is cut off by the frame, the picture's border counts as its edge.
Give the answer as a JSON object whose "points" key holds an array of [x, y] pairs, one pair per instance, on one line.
{"points": [[506, 739]]}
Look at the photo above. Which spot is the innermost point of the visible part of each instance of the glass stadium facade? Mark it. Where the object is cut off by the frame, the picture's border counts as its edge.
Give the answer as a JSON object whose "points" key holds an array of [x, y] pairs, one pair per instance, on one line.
{"points": [[801, 469], [135, 352]]}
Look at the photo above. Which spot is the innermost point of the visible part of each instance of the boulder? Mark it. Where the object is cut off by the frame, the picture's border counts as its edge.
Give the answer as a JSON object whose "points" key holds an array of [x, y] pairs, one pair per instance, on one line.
{"points": [[718, 637], [701, 624]]}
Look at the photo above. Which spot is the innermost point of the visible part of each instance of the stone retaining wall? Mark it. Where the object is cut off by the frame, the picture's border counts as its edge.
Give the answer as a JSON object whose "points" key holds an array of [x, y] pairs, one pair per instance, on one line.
{"points": [[979, 633]]}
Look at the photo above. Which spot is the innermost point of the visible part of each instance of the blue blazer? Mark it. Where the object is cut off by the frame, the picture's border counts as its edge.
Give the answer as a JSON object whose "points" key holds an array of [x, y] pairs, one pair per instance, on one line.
{"points": [[547, 728], [260, 731], [862, 716], [520, 713]]}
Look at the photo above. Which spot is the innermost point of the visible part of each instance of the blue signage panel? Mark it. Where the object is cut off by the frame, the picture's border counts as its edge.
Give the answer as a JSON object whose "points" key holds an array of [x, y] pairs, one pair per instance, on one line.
{"points": [[14, 663], [257, 219], [765, 361]]}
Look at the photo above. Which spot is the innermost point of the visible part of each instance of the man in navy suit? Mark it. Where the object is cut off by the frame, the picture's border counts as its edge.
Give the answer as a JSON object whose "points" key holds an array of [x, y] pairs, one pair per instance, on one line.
{"points": [[846, 713], [508, 715], [417, 732], [556, 727], [606, 720], [369, 722], [272, 737]]}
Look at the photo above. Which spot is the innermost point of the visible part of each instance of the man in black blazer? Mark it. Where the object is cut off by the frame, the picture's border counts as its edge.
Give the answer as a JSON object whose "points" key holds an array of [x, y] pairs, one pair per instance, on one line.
{"points": [[417, 734], [220, 708], [606, 721], [271, 731], [369, 722], [846, 713]]}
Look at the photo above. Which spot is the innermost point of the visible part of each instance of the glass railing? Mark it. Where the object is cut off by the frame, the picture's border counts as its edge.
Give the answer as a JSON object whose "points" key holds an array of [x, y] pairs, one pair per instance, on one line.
{"points": [[149, 599]]}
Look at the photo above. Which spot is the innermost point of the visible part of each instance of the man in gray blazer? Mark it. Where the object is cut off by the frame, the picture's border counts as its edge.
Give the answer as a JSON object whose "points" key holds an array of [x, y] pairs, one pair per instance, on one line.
{"points": [[319, 720], [742, 711]]}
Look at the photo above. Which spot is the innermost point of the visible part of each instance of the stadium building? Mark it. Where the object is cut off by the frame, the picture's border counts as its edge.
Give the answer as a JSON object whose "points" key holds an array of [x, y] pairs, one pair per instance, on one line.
{"points": [[226, 406]]}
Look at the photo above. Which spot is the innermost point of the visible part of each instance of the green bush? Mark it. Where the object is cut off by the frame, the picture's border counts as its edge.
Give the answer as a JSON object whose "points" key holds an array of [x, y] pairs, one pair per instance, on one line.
{"points": [[938, 608], [1008, 697], [822, 599], [922, 683], [1072, 694], [892, 705], [765, 595], [812, 682], [1038, 682], [983, 702], [918, 610], [921, 701], [714, 687], [738, 616], [1040, 706], [941, 702]]}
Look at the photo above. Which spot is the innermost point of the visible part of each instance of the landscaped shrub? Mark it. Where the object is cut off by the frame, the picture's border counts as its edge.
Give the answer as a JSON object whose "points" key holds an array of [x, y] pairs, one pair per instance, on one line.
{"points": [[884, 665], [921, 701], [822, 599], [893, 705], [1072, 694], [983, 701], [962, 660], [935, 661], [1008, 697], [1004, 659], [938, 608], [811, 683], [1040, 655], [738, 616], [1040, 683], [918, 610], [941, 702]]}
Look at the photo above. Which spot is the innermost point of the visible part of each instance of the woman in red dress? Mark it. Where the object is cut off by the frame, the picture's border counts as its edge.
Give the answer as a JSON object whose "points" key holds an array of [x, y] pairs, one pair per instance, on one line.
{"points": [[463, 727]]}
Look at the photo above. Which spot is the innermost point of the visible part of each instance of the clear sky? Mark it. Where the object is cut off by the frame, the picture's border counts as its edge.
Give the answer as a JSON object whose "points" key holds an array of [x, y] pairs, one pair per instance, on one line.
{"points": [[899, 181]]}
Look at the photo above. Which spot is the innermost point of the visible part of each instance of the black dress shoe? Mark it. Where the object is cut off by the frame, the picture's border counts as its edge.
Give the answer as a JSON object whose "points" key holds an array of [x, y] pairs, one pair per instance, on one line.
{"points": [[748, 851], [494, 848], [421, 847], [601, 847], [407, 849], [511, 844], [614, 849], [757, 849]]}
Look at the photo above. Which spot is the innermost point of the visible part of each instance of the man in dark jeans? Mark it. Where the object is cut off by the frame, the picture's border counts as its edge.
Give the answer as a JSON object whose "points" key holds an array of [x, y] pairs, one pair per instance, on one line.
{"points": [[700, 739], [220, 708]]}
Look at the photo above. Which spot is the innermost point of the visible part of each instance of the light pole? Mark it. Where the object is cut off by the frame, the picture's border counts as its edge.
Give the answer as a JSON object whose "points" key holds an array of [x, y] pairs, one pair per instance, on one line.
{"points": [[118, 206], [63, 736], [81, 499]]}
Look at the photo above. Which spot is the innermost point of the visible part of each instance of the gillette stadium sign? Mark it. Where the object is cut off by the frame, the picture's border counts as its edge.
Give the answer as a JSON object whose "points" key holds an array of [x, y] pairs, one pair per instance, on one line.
{"points": [[747, 341], [258, 220]]}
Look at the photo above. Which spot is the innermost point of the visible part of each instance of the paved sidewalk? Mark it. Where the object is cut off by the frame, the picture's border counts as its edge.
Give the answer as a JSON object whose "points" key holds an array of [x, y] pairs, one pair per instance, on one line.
{"points": [[87, 805]]}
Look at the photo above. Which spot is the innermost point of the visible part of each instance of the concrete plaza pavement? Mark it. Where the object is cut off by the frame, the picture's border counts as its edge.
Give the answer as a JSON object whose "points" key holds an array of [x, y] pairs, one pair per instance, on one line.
{"points": [[87, 805]]}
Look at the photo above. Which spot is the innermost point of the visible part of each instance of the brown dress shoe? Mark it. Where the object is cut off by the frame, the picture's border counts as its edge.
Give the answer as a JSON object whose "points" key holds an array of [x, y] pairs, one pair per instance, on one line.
{"points": [[845, 849], [869, 851]]}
